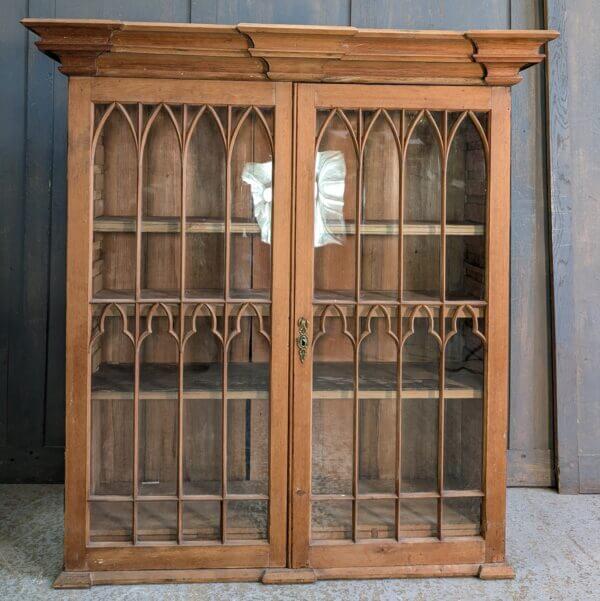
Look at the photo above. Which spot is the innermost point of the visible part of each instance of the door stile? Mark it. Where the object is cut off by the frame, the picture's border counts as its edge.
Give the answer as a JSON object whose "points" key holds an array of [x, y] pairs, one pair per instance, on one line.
{"points": [[496, 373], [279, 416], [302, 369], [78, 326]]}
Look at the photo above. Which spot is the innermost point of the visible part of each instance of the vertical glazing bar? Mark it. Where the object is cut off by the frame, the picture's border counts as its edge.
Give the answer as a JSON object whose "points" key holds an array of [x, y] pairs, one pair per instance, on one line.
{"points": [[399, 323], [357, 306], [226, 308], [138, 294], [182, 266], [442, 325]]}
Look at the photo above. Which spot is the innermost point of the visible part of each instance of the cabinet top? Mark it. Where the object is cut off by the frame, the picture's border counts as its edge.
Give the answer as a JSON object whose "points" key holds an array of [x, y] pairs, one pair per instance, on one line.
{"points": [[289, 52]]}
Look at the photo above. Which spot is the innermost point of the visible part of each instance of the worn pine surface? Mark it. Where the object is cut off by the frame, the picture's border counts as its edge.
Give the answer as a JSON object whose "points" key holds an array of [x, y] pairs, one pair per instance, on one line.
{"points": [[33, 137], [575, 174]]}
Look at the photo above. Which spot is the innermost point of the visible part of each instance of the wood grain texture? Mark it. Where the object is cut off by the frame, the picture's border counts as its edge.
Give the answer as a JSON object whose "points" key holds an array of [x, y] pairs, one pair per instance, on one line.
{"points": [[289, 53], [573, 184], [531, 401]]}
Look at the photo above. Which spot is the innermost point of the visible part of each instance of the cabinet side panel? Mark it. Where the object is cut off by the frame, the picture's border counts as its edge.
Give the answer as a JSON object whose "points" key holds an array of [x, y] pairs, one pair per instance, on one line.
{"points": [[78, 321], [496, 379]]}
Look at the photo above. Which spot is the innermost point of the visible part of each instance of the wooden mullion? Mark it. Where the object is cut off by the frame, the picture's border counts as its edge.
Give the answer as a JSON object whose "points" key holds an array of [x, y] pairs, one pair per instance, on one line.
{"points": [[138, 280], [182, 308], [444, 150], [357, 281], [399, 329]]}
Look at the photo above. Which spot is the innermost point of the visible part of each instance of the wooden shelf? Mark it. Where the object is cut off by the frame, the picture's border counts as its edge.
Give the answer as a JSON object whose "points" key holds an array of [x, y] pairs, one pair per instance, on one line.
{"points": [[113, 224], [192, 295], [332, 380], [344, 299]]}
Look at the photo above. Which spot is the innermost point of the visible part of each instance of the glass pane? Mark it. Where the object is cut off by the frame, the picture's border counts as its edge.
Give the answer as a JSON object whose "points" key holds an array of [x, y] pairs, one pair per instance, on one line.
{"points": [[419, 445], [247, 520], [112, 364], [422, 191], [113, 266], [332, 444], [462, 517], [202, 521], [157, 521], [463, 444], [377, 446], [112, 447], [158, 406], [466, 175], [421, 353], [202, 390], [421, 268], [336, 171], [202, 451], [465, 354], [333, 406], [380, 207], [378, 377], [161, 203], [377, 518], [331, 520], [158, 447], [418, 518], [110, 522], [248, 400], [206, 203], [115, 193], [465, 267], [252, 199], [115, 163], [248, 446]]}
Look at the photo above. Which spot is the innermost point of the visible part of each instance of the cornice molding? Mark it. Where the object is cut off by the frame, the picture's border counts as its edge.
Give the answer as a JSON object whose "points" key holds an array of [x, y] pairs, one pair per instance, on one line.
{"points": [[288, 53]]}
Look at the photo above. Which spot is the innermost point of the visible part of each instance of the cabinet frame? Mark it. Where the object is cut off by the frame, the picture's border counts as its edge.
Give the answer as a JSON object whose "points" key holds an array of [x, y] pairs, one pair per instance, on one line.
{"points": [[490, 546]]}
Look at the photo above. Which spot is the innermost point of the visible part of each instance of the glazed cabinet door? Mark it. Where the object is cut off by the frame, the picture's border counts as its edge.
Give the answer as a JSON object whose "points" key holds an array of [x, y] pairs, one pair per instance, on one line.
{"points": [[400, 310], [179, 302]]}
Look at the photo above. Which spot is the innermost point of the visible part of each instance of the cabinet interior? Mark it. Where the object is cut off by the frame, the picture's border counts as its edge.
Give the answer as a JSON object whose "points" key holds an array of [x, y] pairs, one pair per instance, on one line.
{"points": [[187, 263]]}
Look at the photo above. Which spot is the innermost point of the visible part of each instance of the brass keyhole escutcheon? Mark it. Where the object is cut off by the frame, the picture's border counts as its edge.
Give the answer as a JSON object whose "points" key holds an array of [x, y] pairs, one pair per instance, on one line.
{"points": [[302, 339]]}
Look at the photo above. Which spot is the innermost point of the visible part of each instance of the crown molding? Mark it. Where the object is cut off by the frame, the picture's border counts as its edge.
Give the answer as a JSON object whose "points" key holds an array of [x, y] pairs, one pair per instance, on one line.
{"points": [[288, 53]]}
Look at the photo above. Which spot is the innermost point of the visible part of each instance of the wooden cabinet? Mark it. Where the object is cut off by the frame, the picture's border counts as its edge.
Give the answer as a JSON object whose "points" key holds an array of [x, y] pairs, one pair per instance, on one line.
{"points": [[287, 300]]}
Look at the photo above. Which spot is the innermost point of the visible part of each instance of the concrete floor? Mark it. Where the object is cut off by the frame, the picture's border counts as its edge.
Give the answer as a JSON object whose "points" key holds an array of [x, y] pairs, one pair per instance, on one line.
{"points": [[553, 544]]}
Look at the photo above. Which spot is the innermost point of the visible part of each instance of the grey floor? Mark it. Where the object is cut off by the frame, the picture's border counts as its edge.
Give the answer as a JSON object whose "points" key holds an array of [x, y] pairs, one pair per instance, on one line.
{"points": [[553, 544]]}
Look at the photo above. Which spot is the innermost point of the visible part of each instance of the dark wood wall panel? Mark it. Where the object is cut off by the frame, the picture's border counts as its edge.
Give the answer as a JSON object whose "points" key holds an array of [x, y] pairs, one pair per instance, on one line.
{"points": [[32, 343], [574, 146]]}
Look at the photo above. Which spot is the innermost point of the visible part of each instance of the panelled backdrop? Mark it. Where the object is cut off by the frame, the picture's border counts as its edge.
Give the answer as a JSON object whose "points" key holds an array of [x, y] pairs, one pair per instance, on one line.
{"points": [[32, 227]]}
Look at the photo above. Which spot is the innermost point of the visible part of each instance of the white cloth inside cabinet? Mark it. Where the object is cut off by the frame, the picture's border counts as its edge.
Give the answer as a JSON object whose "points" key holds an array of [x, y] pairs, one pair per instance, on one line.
{"points": [[330, 176]]}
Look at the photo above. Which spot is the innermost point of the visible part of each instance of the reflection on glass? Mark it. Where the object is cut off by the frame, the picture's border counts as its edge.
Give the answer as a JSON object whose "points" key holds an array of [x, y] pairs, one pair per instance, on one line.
{"points": [[462, 517], [330, 175], [157, 521], [110, 521], [247, 520], [418, 518], [202, 521], [376, 518], [331, 520]]}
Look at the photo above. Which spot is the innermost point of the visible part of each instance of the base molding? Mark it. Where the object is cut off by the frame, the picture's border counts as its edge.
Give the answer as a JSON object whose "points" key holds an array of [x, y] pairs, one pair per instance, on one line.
{"points": [[82, 580], [67, 580], [496, 571], [289, 576]]}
